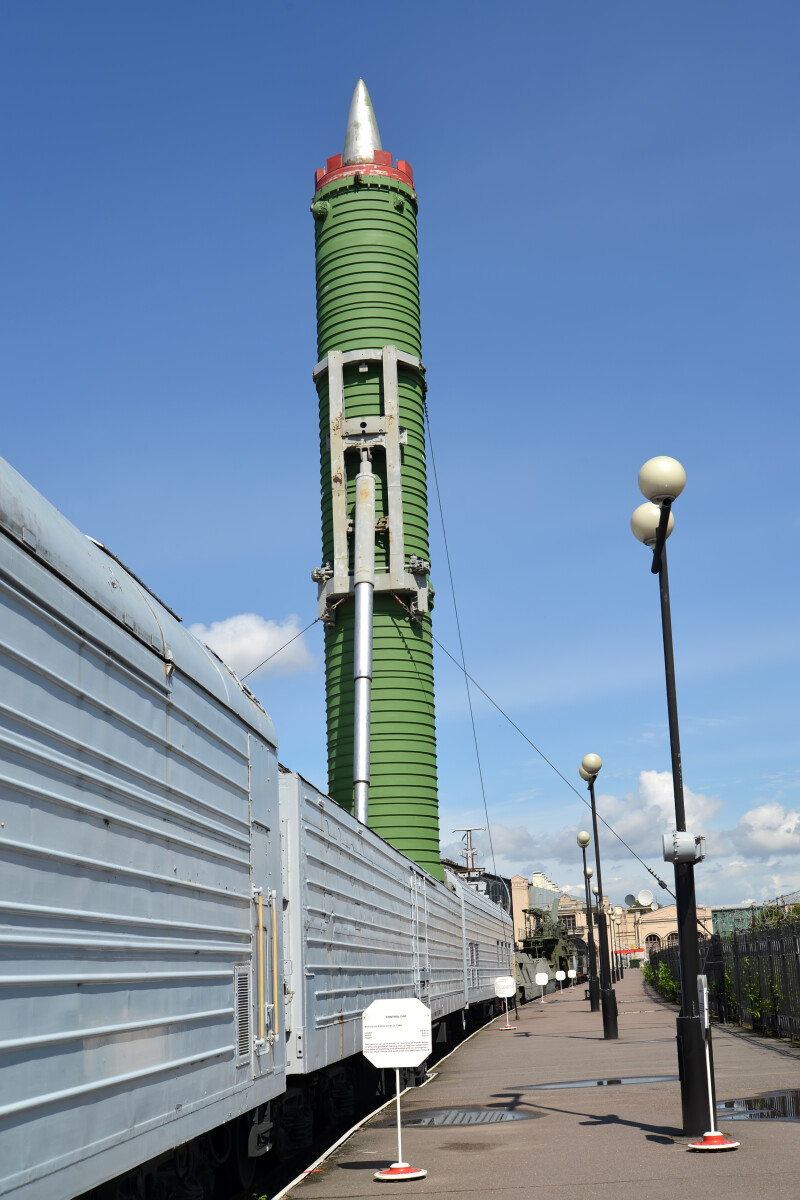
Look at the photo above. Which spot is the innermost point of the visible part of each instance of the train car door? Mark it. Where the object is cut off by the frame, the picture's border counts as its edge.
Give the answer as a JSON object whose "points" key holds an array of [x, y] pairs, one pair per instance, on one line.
{"points": [[267, 961], [419, 912]]}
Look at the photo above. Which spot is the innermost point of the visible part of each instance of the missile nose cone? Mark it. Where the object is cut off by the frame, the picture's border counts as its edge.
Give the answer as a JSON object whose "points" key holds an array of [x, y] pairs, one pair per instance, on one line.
{"points": [[361, 139]]}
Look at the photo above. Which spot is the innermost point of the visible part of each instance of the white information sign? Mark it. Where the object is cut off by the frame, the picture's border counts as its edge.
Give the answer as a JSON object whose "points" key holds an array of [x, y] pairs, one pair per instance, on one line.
{"points": [[702, 996], [542, 978], [504, 985], [396, 1033], [561, 975]]}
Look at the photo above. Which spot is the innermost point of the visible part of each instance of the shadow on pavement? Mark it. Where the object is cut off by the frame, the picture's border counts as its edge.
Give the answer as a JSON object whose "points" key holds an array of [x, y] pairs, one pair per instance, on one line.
{"points": [[373, 1164], [656, 1133]]}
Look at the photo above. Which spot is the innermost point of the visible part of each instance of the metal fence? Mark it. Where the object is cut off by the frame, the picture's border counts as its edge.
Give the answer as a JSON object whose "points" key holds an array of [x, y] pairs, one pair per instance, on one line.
{"points": [[753, 977]]}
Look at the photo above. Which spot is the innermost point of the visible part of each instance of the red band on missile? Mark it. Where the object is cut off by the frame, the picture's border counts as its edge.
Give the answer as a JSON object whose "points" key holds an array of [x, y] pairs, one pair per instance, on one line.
{"points": [[382, 165]]}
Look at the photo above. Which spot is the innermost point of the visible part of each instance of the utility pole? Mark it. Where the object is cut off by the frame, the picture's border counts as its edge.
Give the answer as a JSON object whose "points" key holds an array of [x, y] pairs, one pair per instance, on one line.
{"points": [[469, 851]]}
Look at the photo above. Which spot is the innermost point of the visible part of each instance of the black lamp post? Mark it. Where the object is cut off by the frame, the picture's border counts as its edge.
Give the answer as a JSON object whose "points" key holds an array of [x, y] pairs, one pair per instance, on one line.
{"points": [[620, 955], [617, 974], [662, 480], [589, 768], [614, 956], [594, 986]]}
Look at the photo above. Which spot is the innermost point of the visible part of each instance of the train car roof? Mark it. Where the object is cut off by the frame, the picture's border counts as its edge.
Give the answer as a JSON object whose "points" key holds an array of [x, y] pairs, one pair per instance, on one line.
{"points": [[91, 569]]}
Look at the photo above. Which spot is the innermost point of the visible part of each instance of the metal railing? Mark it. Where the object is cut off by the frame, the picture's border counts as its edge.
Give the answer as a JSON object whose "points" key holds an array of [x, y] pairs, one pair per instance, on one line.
{"points": [[753, 977]]}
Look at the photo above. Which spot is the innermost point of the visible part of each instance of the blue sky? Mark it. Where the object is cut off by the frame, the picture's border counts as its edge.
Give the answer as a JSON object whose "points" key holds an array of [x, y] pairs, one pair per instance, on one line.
{"points": [[609, 267]]}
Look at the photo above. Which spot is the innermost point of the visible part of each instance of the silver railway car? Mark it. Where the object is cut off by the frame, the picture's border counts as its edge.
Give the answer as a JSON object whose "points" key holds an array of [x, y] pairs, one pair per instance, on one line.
{"points": [[184, 927], [139, 797], [363, 922]]}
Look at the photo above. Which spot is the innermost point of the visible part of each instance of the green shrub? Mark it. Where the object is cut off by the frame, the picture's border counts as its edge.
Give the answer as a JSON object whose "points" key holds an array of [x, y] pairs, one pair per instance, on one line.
{"points": [[666, 983]]}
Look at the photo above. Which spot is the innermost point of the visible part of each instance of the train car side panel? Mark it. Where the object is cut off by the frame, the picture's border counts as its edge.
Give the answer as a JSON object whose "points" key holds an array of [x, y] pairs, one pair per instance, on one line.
{"points": [[126, 895], [350, 908], [489, 944]]}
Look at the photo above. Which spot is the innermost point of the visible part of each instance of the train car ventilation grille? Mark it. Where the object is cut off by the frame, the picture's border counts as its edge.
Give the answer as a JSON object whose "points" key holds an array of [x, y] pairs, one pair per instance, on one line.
{"points": [[242, 1033]]}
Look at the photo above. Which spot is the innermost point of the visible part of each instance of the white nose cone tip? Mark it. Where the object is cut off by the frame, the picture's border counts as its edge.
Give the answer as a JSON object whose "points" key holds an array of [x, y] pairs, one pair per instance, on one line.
{"points": [[361, 139]]}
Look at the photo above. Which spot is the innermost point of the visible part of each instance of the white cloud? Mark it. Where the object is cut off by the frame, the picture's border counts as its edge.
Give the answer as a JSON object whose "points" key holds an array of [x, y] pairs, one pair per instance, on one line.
{"points": [[768, 829], [752, 862], [640, 817], [510, 847], [246, 640]]}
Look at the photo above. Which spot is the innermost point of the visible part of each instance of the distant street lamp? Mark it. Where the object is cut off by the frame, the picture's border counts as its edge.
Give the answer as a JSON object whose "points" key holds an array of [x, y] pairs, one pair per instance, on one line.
{"points": [[621, 958], [661, 481], [601, 906], [589, 769], [614, 953], [614, 942], [594, 986]]}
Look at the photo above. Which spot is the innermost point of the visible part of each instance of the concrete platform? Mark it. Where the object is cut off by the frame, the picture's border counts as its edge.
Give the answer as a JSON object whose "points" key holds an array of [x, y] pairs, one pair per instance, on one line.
{"points": [[620, 1141]]}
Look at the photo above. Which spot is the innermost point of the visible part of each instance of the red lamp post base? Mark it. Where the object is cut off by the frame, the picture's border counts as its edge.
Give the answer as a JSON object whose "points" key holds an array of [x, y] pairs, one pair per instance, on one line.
{"points": [[399, 1171], [714, 1140]]}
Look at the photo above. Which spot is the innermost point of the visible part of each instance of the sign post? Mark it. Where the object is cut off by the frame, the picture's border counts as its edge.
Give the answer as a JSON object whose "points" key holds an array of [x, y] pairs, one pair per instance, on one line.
{"points": [[572, 975], [505, 986], [712, 1139], [397, 1033], [542, 978]]}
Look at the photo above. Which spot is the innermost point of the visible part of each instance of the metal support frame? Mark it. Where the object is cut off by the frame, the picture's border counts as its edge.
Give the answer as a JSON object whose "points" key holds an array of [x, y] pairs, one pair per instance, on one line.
{"points": [[335, 580]]}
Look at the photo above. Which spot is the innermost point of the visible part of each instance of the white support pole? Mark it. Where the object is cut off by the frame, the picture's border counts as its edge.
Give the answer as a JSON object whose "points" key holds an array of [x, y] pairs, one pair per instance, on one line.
{"points": [[399, 1162]]}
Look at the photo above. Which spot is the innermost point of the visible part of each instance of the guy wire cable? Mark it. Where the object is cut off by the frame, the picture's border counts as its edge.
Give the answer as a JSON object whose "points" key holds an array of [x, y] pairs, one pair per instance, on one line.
{"points": [[552, 765], [469, 679], [511, 722], [467, 676], [269, 657], [503, 713]]}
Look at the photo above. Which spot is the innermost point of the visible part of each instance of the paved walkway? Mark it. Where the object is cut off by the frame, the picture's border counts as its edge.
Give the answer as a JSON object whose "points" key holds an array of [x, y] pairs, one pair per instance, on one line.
{"points": [[621, 1142]]}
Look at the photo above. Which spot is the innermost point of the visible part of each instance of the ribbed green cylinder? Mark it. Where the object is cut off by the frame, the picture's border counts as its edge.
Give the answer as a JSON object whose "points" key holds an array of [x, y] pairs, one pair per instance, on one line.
{"points": [[368, 296]]}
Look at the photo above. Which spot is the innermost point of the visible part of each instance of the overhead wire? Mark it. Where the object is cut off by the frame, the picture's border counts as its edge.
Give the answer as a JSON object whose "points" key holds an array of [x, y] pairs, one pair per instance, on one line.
{"points": [[270, 657], [469, 679], [553, 767], [463, 664], [467, 676]]}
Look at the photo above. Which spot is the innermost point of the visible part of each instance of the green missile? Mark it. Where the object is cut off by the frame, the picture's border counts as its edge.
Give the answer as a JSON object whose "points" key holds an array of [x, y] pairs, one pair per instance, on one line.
{"points": [[371, 387]]}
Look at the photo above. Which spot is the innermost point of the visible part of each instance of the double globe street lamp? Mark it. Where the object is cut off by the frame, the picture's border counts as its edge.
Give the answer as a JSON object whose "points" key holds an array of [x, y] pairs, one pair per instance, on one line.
{"points": [[594, 986], [614, 945], [613, 926], [588, 771], [618, 911], [598, 906], [661, 481]]}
